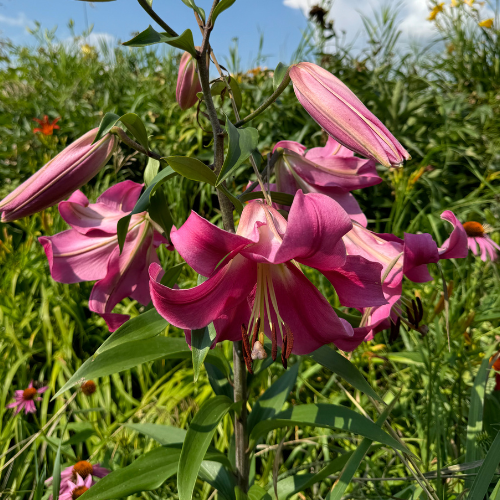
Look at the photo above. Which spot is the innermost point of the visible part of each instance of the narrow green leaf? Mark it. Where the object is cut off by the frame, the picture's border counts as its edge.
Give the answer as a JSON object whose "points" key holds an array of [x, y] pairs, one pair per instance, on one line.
{"points": [[146, 473], [407, 357], [125, 356], [221, 7], [107, 123], [56, 472], [237, 203], [256, 492], [329, 416], [475, 421], [159, 211], [299, 482], [146, 325], [241, 144], [137, 128], [201, 340], [163, 434], [150, 37], [356, 458], [79, 437], [279, 73], [192, 5], [40, 483], [197, 440], [235, 89], [273, 399], [487, 471], [276, 196], [191, 168], [151, 171], [495, 495], [142, 204], [171, 275], [184, 42], [336, 363], [219, 383], [217, 475]]}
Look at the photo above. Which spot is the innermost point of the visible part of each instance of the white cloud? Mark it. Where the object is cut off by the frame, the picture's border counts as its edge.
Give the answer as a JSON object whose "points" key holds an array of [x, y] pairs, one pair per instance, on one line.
{"points": [[20, 20], [347, 16]]}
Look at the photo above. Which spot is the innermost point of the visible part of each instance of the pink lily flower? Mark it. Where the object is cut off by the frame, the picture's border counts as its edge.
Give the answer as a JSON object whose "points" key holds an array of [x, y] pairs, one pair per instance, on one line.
{"points": [[335, 108], [255, 277], [82, 469], [332, 170], [408, 257], [188, 82], [26, 399], [76, 490], [90, 251], [477, 237], [69, 170]]}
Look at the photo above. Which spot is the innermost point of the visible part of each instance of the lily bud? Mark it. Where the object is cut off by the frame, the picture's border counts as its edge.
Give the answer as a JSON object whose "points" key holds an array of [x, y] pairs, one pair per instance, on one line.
{"points": [[337, 110], [59, 178], [188, 82]]}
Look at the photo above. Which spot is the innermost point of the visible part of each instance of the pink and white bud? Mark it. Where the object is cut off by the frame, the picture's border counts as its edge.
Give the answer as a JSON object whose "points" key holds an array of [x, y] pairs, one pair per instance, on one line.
{"points": [[188, 82], [59, 178], [337, 110]]}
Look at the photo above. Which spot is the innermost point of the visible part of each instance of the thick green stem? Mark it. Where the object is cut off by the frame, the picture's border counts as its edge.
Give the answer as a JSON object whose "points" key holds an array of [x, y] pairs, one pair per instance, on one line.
{"points": [[240, 421], [282, 86]]}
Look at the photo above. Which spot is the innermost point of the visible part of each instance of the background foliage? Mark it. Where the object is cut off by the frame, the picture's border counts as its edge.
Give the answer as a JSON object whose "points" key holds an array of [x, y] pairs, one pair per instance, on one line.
{"points": [[443, 104]]}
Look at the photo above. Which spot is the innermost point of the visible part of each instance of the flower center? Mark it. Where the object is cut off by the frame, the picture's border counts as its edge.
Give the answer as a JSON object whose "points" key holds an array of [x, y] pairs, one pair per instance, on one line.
{"points": [[29, 393], [83, 468], [473, 229], [78, 492], [88, 388], [253, 338]]}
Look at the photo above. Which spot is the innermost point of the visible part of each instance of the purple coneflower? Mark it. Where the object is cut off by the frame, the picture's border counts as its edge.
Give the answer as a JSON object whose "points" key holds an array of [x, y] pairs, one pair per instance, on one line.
{"points": [[26, 399], [477, 238]]}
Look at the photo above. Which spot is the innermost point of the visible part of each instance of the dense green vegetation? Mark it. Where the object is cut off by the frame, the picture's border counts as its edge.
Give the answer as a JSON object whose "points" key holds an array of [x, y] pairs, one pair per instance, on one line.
{"points": [[442, 103]]}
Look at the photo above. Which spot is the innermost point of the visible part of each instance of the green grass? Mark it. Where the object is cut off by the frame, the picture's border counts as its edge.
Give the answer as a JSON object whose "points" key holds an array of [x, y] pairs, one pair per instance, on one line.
{"points": [[443, 106]]}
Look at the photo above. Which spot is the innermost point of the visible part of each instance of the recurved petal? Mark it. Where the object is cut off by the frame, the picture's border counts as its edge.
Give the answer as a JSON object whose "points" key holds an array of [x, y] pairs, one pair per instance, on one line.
{"points": [[122, 196], [74, 257], [303, 308], [203, 245], [127, 273], [455, 246], [419, 250], [292, 146], [196, 307], [358, 283], [314, 233], [332, 147]]}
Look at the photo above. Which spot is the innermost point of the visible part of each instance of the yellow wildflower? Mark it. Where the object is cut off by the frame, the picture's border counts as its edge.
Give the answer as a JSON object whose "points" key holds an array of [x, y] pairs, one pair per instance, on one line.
{"points": [[470, 3], [455, 3], [487, 23], [435, 11]]}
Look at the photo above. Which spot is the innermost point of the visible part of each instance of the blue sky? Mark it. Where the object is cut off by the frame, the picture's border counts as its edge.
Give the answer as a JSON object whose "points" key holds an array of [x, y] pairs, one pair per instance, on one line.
{"points": [[280, 24]]}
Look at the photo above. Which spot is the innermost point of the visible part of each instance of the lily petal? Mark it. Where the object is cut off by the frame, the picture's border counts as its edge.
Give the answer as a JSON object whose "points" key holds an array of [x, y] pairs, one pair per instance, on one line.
{"points": [[74, 257], [196, 307], [203, 245], [455, 246], [419, 250], [304, 309], [358, 282], [122, 196], [313, 237]]}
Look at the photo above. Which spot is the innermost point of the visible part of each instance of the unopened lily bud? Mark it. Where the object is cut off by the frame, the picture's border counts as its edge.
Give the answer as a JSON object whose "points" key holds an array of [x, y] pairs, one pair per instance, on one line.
{"points": [[258, 351], [344, 117], [188, 82], [60, 177], [88, 388]]}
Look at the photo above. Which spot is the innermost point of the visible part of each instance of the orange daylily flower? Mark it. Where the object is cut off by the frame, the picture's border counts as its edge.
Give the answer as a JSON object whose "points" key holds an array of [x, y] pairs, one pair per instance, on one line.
{"points": [[46, 127]]}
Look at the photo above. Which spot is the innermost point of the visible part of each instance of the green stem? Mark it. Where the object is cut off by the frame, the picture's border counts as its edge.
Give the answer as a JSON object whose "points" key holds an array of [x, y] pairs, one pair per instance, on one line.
{"points": [[282, 86], [144, 4]]}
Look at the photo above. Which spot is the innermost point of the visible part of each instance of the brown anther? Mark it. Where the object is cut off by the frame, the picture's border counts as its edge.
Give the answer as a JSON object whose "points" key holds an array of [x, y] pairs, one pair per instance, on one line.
{"points": [[395, 330], [474, 229], [274, 347], [256, 329], [78, 492], [420, 309], [83, 468], [89, 387], [283, 352], [289, 341], [415, 313], [411, 319], [246, 348], [29, 393]]}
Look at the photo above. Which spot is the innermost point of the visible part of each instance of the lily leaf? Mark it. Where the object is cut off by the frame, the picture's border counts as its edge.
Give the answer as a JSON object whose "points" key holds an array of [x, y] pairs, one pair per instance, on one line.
{"points": [[150, 37], [221, 7], [279, 74], [136, 127], [191, 168]]}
